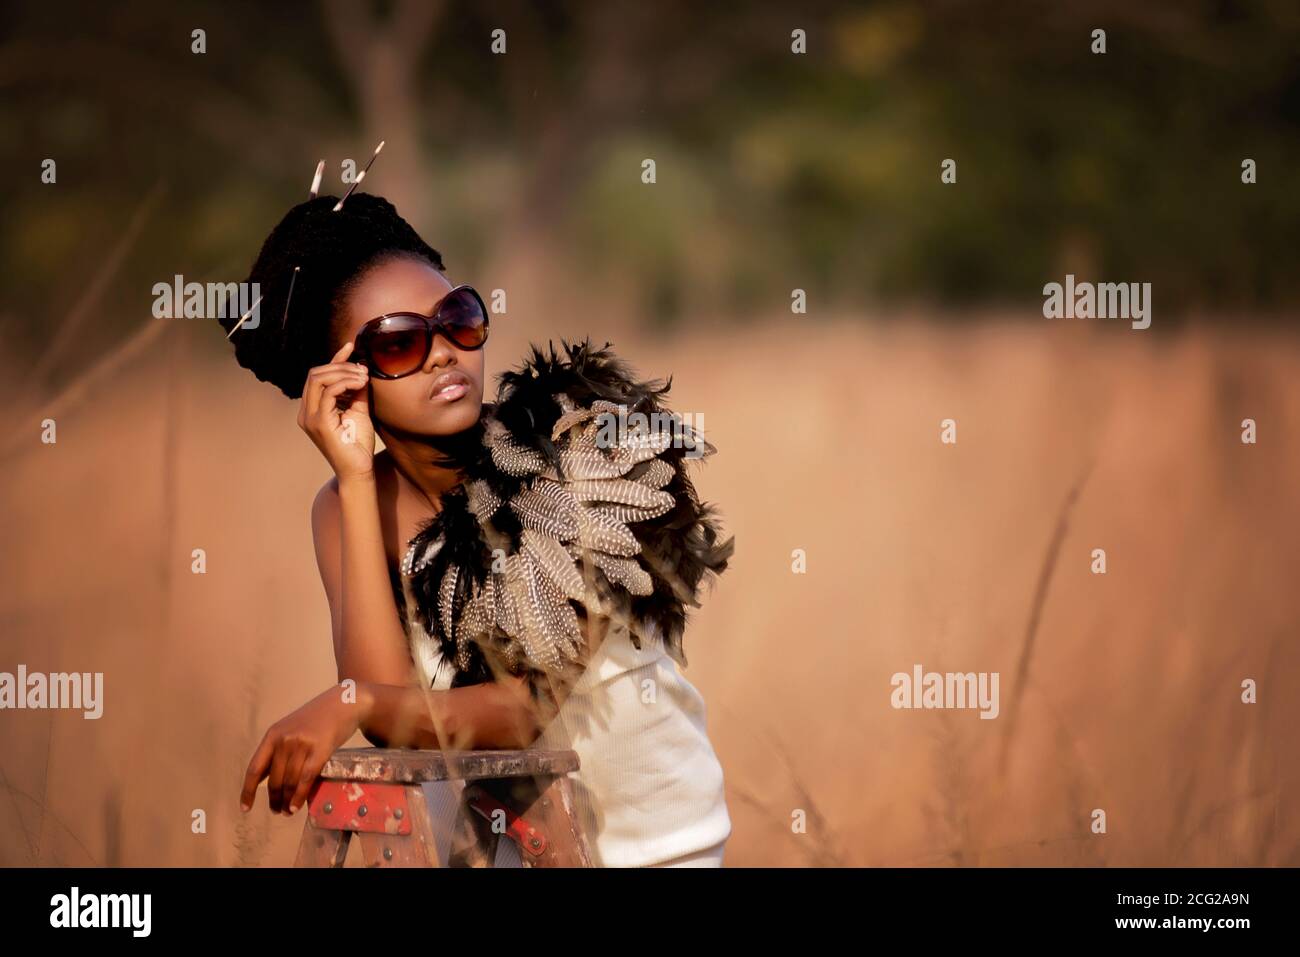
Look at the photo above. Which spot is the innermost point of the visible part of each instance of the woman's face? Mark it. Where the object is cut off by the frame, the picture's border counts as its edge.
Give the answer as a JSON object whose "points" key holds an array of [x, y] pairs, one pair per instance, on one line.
{"points": [[410, 403]]}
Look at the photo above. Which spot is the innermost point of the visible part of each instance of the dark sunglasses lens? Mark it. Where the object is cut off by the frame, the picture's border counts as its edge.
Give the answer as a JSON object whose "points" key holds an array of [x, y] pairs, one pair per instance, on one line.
{"points": [[463, 318], [399, 345]]}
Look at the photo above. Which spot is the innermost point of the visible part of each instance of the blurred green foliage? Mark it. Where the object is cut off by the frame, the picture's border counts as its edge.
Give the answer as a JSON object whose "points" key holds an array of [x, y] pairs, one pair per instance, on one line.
{"points": [[774, 171]]}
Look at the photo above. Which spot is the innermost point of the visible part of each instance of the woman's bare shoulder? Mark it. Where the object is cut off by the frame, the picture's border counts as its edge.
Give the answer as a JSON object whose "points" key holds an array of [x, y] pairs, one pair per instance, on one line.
{"points": [[326, 506], [326, 503]]}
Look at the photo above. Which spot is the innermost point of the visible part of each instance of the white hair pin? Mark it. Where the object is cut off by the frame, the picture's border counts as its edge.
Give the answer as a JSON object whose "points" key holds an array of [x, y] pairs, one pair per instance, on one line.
{"points": [[314, 192], [357, 181], [244, 318]]}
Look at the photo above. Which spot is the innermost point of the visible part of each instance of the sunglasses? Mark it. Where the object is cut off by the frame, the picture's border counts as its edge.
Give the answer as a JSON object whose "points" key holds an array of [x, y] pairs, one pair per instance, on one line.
{"points": [[398, 343]]}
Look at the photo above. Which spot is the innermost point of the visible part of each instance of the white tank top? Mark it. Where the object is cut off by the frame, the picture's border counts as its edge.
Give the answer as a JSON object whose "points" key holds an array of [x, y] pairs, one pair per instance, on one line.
{"points": [[649, 787]]}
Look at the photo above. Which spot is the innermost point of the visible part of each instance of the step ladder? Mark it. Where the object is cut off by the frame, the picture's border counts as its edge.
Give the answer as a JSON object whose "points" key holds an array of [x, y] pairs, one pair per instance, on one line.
{"points": [[376, 794]]}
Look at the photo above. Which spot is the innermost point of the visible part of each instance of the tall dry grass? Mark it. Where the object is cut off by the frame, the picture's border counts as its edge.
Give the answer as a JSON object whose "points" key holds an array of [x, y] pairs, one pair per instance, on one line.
{"points": [[1119, 692]]}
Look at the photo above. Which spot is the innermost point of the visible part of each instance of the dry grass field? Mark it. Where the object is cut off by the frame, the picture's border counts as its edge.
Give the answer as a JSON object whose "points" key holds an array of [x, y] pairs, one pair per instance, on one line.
{"points": [[1119, 691]]}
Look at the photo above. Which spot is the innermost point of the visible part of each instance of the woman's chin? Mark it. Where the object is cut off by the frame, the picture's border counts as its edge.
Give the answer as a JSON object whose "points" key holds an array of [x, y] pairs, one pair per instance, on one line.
{"points": [[450, 418]]}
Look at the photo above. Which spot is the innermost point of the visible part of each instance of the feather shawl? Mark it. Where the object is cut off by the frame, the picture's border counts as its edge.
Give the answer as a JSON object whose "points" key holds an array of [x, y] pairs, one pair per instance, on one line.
{"points": [[575, 501]]}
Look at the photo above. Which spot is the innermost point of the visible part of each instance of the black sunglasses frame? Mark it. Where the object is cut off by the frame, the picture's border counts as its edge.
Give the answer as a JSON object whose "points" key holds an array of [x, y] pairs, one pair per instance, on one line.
{"points": [[432, 327]]}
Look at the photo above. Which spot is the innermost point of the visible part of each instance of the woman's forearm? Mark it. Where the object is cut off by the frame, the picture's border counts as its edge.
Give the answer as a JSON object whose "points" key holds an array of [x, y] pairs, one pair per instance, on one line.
{"points": [[372, 645], [483, 716]]}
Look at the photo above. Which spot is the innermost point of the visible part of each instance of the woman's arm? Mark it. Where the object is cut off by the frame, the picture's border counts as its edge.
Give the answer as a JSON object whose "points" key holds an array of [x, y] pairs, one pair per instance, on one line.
{"points": [[496, 714], [295, 748], [369, 644]]}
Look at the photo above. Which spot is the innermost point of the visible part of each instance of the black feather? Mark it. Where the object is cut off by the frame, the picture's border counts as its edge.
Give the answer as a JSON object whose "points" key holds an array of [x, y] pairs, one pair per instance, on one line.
{"points": [[680, 549]]}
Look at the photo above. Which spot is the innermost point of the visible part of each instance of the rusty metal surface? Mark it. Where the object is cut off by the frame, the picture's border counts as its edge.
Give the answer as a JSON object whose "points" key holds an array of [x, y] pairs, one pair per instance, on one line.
{"points": [[532, 788], [405, 766], [530, 839], [360, 807]]}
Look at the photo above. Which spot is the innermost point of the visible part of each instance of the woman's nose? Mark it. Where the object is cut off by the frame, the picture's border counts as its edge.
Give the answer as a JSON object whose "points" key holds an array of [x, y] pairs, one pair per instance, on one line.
{"points": [[440, 354]]}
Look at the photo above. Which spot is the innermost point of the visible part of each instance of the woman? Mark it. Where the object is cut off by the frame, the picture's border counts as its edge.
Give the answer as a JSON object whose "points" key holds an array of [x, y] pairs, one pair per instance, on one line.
{"points": [[333, 278]]}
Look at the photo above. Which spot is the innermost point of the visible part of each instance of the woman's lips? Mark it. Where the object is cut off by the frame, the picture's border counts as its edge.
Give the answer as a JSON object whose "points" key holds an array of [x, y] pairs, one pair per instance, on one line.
{"points": [[451, 392], [449, 387]]}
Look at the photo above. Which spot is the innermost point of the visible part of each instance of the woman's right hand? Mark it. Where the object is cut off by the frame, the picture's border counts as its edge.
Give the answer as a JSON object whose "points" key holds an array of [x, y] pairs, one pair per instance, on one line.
{"points": [[296, 747], [340, 427]]}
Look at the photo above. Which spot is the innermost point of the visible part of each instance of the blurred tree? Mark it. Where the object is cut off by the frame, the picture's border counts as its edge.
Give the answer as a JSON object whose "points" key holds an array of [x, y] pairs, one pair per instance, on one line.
{"points": [[775, 170]]}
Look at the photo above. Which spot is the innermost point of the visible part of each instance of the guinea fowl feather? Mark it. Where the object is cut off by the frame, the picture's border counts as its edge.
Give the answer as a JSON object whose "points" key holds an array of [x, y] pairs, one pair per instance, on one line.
{"points": [[601, 514]]}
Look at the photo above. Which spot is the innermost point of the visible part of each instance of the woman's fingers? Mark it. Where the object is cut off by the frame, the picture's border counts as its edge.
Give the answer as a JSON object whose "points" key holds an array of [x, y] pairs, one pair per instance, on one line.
{"points": [[328, 417], [322, 377], [274, 784], [330, 397], [311, 389], [290, 766], [312, 763], [292, 776], [257, 769]]}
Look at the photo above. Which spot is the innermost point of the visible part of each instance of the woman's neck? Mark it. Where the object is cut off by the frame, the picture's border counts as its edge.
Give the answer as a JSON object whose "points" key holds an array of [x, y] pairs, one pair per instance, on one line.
{"points": [[433, 464]]}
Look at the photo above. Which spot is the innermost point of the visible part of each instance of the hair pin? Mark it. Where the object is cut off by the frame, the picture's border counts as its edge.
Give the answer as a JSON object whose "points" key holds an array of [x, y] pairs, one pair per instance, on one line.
{"points": [[293, 279], [244, 318], [358, 180], [289, 298]]}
